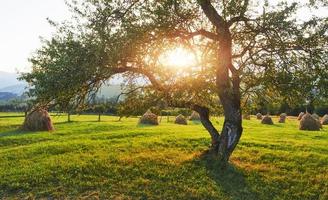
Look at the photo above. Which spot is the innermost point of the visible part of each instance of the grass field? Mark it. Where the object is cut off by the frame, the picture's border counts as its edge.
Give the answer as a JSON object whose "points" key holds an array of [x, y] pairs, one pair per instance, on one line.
{"points": [[86, 159]]}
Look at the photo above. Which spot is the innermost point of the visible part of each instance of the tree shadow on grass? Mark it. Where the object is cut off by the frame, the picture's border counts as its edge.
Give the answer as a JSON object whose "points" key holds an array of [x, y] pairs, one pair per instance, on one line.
{"points": [[230, 179], [12, 133], [12, 116]]}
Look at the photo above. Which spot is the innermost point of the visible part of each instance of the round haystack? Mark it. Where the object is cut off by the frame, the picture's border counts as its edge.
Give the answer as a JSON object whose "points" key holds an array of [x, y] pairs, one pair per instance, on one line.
{"points": [[38, 120], [180, 119], [149, 118], [194, 116], [267, 120], [246, 117], [259, 116], [309, 123], [324, 120], [300, 115], [282, 118], [315, 116]]}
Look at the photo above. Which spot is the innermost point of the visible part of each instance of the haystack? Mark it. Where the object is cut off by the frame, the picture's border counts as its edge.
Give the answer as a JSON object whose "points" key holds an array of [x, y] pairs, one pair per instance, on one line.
{"points": [[315, 116], [246, 117], [324, 120], [149, 118], [309, 123], [194, 116], [38, 120], [180, 119], [282, 117], [259, 116], [267, 120], [300, 115]]}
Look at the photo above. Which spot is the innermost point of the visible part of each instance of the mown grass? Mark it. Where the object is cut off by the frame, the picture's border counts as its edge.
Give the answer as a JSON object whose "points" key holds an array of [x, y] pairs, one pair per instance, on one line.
{"points": [[86, 159]]}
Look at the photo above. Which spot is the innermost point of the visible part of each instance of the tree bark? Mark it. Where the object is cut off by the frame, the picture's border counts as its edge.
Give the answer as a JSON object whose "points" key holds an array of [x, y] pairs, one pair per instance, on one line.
{"points": [[68, 117], [98, 117], [205, 120], [227, 85]]}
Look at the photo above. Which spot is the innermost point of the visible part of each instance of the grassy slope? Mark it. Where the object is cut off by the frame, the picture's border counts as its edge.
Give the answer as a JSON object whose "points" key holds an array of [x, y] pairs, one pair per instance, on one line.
{"points": [[119, 160]]}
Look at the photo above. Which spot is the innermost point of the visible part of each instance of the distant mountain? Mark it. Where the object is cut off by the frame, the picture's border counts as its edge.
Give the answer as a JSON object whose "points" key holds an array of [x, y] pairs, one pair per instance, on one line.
{"points": [[5, 96], [10, 84], [18, 89], [8, 79]]}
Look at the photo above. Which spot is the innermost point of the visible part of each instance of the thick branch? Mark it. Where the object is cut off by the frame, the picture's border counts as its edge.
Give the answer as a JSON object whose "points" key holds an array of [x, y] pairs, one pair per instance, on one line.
{"points": [[205, 119], [142, 71], [211, 13]]}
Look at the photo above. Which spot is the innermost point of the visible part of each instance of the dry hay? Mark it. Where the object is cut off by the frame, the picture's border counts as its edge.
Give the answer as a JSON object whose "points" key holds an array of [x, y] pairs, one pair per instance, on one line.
{"points": [[300, 115], [194, 116], [259, 116], [309, 123], [324, 120], [38, 120], [267, 120], [246, 117], [149, 118], [315, 116], [282, 118], [180, 119]]}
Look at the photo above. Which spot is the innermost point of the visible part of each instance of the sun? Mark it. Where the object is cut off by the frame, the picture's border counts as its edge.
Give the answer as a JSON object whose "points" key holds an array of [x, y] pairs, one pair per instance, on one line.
{"points": [[179, 58]]}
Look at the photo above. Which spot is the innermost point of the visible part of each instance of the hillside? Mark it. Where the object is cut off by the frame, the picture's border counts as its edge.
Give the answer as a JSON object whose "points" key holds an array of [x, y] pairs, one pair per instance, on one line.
{"points": [[10, 84], [4, 96]]}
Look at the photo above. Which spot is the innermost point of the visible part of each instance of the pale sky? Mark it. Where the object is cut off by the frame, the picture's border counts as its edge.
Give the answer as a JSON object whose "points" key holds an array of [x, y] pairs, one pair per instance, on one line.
{"points": [[22, 22]]}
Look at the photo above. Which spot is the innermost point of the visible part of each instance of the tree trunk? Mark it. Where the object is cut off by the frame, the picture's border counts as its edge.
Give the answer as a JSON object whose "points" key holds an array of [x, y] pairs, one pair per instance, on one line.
{"points": [[68, 117], [227, 82], [205, 120], [98, 117]]}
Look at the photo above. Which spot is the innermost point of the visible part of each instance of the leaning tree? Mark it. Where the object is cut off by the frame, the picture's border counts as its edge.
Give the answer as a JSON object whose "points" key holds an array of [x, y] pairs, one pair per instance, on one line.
{"points": [[241, 46]]}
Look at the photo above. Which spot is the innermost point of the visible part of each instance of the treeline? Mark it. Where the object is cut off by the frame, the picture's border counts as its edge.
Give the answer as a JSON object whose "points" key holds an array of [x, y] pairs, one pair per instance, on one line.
{"points": [[111, 107]]}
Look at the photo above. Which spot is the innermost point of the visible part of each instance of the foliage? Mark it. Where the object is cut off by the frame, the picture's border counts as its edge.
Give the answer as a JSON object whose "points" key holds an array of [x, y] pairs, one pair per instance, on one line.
{"points": [[278, 56]]}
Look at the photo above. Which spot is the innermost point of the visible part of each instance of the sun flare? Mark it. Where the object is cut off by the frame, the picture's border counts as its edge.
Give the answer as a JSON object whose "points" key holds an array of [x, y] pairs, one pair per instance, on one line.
{"points": [[178, 57]]}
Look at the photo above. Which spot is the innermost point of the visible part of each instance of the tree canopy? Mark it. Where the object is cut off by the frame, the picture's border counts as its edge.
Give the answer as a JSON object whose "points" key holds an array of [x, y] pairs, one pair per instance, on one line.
{"points": [[243, 48]]}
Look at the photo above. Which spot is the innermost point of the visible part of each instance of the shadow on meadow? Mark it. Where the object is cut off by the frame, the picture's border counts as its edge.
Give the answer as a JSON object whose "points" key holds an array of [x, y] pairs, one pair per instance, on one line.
{"points": [[232, 180]]}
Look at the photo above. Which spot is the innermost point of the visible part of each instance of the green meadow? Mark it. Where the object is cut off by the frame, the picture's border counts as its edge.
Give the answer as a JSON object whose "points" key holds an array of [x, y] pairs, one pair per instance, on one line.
{"points": [[112, 159]]}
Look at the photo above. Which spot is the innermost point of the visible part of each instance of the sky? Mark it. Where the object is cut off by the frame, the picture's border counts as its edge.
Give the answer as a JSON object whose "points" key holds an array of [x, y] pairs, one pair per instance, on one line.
{"points": [[22, 22]]}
